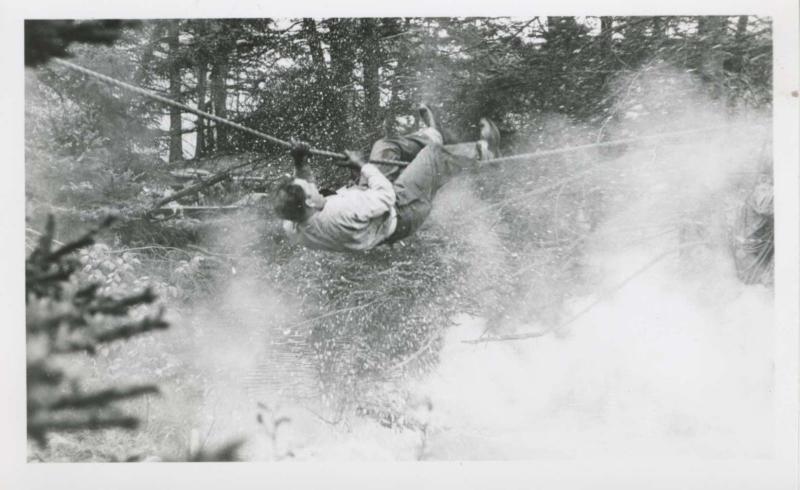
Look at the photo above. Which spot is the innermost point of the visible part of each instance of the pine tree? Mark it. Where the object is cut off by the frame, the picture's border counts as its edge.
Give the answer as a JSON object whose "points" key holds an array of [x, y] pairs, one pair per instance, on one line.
{"points": [[63, 320]]}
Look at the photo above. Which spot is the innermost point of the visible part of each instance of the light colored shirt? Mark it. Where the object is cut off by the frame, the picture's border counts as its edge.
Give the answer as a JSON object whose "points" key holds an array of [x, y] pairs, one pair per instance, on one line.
{"points": [[354, 219]]}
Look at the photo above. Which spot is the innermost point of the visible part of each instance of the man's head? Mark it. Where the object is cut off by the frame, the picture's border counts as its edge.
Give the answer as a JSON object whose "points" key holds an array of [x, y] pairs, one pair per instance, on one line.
{"points": [[296, 199]]}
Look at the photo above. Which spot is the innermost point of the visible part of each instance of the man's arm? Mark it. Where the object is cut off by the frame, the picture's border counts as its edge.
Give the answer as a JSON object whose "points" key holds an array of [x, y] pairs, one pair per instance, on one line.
{"points": [[290, 230], [762, 199], [379, 196]]}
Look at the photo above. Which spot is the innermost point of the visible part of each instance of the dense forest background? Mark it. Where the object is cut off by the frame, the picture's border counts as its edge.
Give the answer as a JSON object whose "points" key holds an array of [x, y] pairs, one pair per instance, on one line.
{"points": [[343, 83], [216, 259]]}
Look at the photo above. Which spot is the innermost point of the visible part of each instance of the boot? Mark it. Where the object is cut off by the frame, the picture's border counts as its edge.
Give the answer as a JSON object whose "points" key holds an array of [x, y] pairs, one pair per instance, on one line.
{"points": [[489, 143], [426, 115]]}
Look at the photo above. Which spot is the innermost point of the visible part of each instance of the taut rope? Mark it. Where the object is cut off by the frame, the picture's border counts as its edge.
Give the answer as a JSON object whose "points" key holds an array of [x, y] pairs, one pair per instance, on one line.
{"points": [[342, 156]]}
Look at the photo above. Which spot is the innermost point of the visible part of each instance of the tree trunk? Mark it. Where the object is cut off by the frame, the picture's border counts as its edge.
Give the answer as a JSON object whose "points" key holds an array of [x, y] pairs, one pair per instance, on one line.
{"points": [[659, 27], [342, 54], [147, 56], [200, 124], [606, 33], [711, 30], [371, 64], [390, 115], [314, 44], [741, 26], [219, 96], [392, 27], [176, 136]]}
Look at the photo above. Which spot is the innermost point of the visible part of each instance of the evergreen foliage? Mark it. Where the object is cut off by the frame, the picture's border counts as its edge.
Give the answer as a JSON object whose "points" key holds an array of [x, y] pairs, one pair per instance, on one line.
{"points": [[505, 242], [65, 318]]}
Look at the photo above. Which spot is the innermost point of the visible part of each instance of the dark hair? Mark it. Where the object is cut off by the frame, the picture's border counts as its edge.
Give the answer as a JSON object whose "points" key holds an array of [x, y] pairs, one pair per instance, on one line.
{"points": [[290, 200]]}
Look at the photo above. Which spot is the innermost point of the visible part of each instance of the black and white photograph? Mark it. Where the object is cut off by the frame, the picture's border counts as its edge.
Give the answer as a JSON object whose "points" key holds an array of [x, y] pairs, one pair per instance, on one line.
{"points": [[362, 239]]}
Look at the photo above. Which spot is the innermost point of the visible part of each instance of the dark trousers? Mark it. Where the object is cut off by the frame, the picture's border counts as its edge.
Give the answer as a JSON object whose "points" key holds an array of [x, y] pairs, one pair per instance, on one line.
{"points": [[418, 183], [403, 148]]}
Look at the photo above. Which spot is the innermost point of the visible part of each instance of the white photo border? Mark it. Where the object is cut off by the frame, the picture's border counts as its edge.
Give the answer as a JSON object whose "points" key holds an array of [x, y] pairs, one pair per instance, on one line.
{"points": [[774, 473]]}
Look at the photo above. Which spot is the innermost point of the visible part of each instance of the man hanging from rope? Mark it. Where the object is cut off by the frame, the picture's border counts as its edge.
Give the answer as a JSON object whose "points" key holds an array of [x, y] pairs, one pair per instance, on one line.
{"points": [[754, 232], [375, 211]]}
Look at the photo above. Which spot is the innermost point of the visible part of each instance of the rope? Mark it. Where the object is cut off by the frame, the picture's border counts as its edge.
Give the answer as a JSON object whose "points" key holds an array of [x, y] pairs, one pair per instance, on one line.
{"points": [[605, 144], [221, 120], [342, 156]]}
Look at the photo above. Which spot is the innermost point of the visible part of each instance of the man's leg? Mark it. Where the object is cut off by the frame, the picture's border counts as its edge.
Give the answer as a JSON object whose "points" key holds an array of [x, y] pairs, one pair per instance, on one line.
{"points": [[391, 149], [402, 148], [485, 148], [470, 149], [418, 184]]}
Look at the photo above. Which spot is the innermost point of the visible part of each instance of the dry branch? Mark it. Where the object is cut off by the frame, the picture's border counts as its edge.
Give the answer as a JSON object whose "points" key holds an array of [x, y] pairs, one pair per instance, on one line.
{"points": [[194, 189], [606, 294]]}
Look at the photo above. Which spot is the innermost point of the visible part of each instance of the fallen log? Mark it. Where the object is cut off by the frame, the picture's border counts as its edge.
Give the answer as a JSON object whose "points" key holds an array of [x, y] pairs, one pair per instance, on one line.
{"points": [[194, 189], [190, 211]]}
